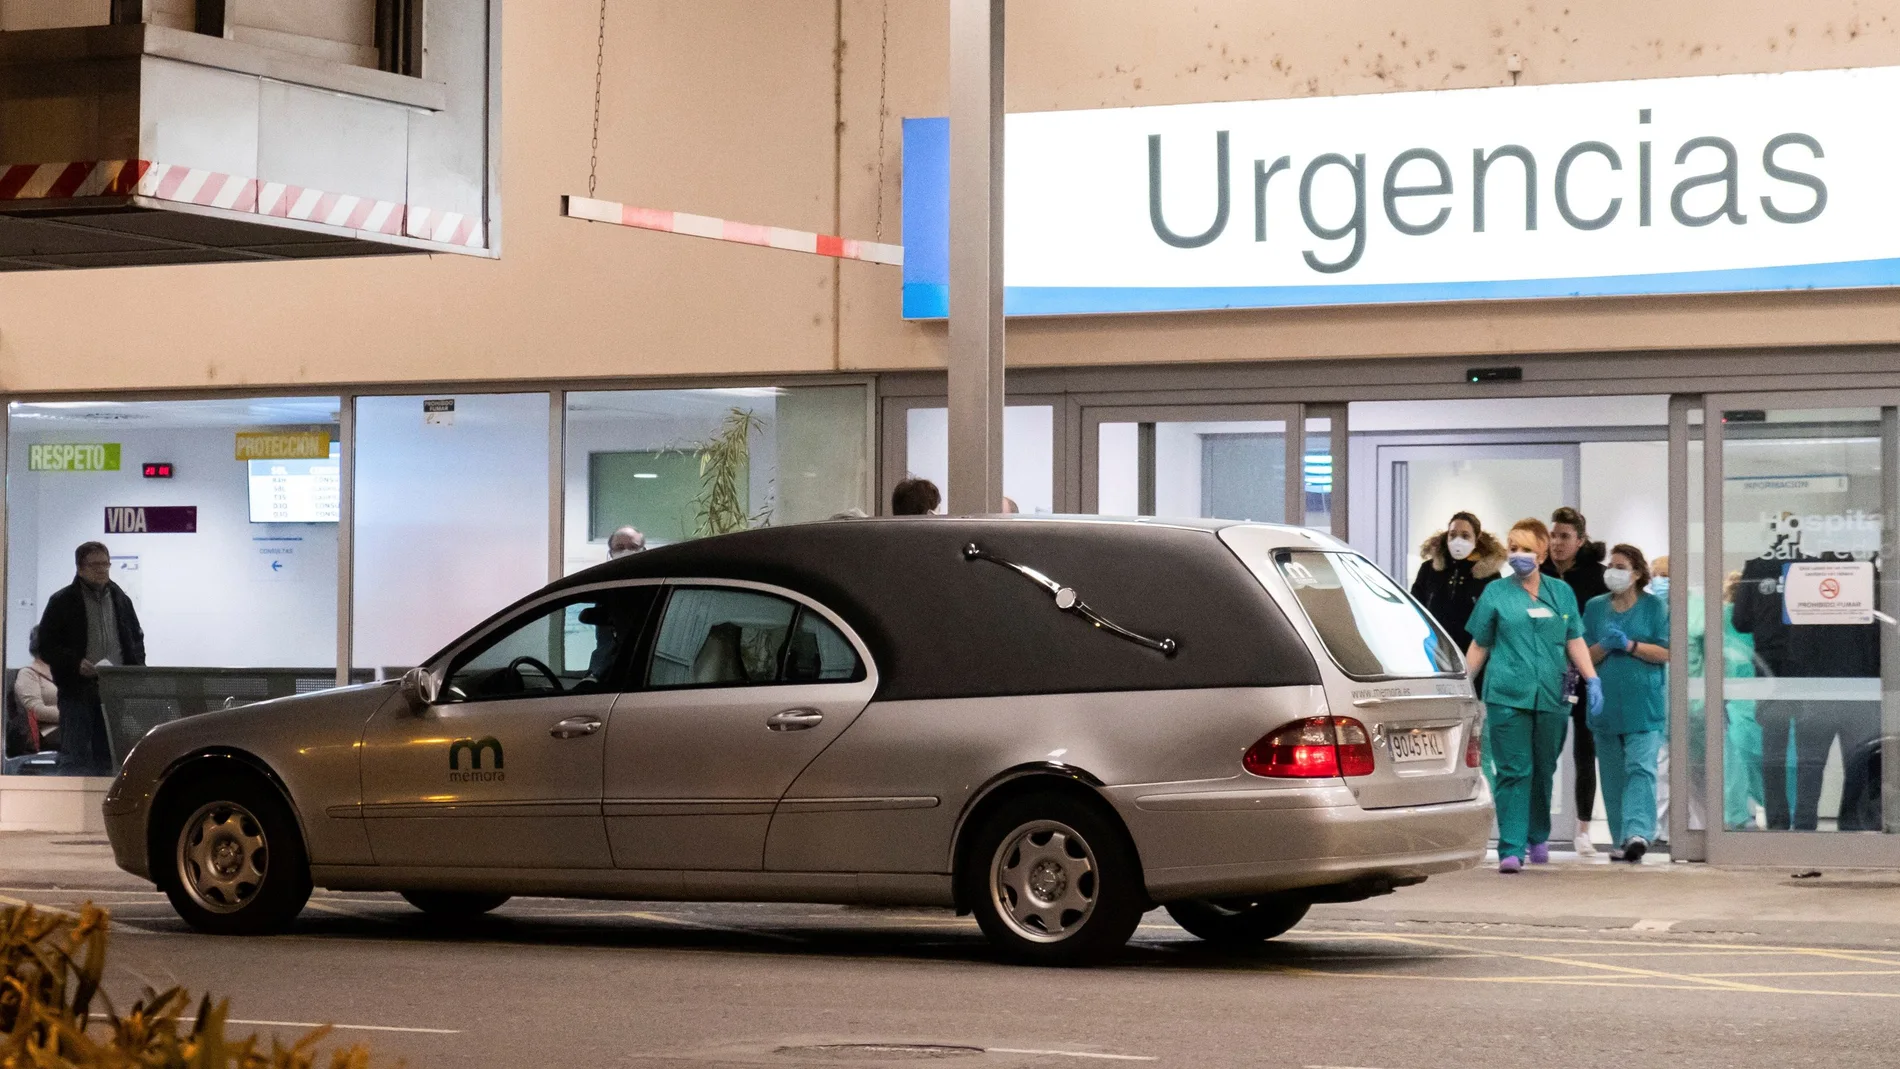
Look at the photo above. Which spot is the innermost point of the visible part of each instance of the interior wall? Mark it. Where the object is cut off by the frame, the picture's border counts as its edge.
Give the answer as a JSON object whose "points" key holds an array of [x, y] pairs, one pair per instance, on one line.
{"points": [[208, 599], [1624, 487], [451, 521]]}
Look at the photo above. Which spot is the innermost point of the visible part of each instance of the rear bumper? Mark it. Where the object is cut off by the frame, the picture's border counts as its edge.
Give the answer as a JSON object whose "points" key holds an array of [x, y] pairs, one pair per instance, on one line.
{"points": [[1196, 854]]}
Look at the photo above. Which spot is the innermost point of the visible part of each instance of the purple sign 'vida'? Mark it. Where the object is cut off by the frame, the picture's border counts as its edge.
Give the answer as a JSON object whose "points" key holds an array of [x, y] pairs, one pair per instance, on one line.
{"points": [[151, 519]]}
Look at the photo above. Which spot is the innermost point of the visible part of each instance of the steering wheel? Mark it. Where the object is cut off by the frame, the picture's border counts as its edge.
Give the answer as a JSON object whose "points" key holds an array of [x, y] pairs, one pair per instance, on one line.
{"points": [[516, 665]]}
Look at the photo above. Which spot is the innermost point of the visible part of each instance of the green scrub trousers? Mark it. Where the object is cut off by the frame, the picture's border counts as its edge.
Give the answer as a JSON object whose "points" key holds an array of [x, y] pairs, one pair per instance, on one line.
{"points": [[1525, 745], [1527, 716]]}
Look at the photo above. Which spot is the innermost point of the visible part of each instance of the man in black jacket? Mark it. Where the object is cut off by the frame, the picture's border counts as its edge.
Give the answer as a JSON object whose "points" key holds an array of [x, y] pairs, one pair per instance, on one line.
{"points": [[1580, 562], [87, 624]]}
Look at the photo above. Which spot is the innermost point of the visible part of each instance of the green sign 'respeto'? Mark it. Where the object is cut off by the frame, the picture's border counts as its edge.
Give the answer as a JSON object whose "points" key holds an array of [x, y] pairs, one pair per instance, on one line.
{"points": [[73, 456]]}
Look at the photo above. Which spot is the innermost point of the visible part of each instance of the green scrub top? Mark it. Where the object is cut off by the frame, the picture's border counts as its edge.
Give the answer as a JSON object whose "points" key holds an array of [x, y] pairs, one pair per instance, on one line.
{"points": [[1633, 698], [1526, 637]]}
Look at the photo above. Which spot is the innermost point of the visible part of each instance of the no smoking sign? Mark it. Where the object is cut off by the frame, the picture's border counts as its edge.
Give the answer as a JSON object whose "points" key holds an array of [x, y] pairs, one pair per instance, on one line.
{"points": [[1828, 592]]}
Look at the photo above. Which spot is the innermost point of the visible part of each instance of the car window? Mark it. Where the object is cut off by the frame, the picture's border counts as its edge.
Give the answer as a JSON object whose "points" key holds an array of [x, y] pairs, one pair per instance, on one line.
{"points": [[572, 646], [1373, 629], [819, 652], [713, 636]]}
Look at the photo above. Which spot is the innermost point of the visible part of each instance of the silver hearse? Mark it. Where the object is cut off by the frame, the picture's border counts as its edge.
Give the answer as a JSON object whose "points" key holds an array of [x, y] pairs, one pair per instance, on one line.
{"points": [[1055, 724]]}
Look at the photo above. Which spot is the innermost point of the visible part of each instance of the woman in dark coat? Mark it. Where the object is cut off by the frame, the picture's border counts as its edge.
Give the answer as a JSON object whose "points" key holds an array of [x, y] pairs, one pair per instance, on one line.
{"points": [[1459, 561]]}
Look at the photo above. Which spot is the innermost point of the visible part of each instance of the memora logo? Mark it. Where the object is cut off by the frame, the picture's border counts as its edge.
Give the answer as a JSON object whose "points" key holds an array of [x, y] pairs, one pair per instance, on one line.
{"points": [[475, 772]]}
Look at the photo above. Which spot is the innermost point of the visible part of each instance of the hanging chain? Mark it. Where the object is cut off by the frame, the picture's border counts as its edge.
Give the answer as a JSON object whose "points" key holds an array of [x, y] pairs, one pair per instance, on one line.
{"points": [[600, 65], [883, 66]]}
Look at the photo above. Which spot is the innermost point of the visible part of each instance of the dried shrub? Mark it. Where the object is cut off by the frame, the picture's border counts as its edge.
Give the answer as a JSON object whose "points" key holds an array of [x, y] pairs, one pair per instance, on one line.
{"points": [[54, 964]]}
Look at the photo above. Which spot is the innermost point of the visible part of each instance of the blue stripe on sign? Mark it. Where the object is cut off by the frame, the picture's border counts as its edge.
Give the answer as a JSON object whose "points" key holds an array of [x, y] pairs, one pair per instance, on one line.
{"points": [[926, 194], [929, 300]]}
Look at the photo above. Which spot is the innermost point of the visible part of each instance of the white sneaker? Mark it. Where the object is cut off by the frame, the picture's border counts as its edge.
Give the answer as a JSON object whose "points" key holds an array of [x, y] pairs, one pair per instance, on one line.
{"points": [[1585, 848]]}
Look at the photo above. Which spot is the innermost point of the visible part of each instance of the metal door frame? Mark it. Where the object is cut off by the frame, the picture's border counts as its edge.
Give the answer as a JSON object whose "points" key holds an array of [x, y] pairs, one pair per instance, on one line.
{"points": [[1847, 849], [1394, 553], [1293, 416], [893, 435]]}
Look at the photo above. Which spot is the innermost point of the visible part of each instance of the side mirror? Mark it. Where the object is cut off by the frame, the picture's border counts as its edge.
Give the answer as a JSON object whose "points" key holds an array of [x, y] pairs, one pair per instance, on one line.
{"points": [[419, 688]]}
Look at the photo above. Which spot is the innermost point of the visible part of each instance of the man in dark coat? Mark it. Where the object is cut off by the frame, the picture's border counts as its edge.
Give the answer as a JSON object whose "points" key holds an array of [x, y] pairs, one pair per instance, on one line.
{"points": [[89, 623], [1580, 562]]}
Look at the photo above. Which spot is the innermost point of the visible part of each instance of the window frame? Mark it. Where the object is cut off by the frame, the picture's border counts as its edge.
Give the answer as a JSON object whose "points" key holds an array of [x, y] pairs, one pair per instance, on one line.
{"points": [[484, 636], [1282, 555], [801, 605]]}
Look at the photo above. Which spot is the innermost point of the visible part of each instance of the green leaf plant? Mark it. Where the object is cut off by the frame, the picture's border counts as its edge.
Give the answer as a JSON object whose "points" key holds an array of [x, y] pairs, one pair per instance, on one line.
{"points": [[54, 964], [724, 461]]}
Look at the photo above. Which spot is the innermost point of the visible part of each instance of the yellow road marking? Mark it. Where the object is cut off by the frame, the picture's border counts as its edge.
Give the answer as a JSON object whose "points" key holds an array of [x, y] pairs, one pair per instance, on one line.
{"points": [[1625, 970]]}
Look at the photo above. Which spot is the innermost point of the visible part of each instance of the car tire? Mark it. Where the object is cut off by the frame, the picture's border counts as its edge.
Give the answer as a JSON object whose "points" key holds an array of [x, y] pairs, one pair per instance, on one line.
{"points": [[233, 860], [1237, 922], [455, 904], [1053, 880]]}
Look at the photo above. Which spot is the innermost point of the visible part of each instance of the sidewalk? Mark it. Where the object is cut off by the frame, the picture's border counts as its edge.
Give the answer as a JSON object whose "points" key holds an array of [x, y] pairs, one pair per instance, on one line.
{"points": [[1841, 906], [1860, 906]]}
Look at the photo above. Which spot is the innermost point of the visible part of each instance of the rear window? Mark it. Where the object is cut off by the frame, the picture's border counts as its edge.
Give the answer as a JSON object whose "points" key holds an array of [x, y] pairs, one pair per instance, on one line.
{"points": [[1373, 629]]}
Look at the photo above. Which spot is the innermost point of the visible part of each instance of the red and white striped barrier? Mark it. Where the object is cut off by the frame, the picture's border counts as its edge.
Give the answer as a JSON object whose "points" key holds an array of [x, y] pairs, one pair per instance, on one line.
{"points": [[63, 181], [191, 185], [705, 226]]}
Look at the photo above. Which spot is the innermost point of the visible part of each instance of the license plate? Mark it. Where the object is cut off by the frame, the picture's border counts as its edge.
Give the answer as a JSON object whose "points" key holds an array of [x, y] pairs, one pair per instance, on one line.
{"points": [[1416, 745]]}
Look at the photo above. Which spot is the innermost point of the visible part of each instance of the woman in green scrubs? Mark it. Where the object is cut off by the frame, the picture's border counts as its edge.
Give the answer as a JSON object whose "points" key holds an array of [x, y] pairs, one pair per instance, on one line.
{"points": [[1524, 629], [1628, 633]]}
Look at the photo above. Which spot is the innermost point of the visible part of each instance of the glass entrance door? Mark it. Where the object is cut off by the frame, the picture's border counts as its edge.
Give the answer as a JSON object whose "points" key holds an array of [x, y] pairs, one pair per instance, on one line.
{"points": [[1238, 462], [1799, 571]]}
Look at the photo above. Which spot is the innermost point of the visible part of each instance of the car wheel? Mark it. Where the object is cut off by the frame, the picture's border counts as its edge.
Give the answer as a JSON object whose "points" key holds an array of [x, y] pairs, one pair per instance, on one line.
{"points": [[1052, 881], [451, 904], [1237, 921], [235, 864]]}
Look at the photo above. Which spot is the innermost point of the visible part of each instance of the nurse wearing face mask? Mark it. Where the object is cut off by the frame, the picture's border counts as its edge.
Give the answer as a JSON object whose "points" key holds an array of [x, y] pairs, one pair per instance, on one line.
{"points": [[1525, 628], [1628, 633]]}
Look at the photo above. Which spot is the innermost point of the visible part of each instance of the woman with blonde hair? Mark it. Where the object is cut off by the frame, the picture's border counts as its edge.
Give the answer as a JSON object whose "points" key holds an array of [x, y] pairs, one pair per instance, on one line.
{"points": [[1523, 631]]}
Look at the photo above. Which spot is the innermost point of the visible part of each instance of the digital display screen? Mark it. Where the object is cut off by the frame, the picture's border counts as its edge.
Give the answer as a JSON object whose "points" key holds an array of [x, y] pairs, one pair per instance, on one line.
{"points": [[297, 491]]}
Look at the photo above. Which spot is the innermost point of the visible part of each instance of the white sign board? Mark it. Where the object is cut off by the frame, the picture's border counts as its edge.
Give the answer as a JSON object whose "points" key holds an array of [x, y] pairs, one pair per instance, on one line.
{"points": [[1828, 592], [1683, 185]]}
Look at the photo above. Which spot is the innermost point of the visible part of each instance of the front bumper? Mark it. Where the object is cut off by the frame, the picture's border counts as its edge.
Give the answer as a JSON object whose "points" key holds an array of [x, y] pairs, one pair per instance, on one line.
{"points": [[126, 831], [1326, 841]]}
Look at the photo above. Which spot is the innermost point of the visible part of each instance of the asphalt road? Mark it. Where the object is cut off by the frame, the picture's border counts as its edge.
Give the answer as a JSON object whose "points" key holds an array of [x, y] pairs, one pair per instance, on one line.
{"points": [[657, 986]]}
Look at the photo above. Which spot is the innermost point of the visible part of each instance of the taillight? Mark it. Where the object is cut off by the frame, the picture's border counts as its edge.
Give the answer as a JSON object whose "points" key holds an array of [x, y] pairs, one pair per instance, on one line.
{"points": [[1474, 746], [1315, 748]]}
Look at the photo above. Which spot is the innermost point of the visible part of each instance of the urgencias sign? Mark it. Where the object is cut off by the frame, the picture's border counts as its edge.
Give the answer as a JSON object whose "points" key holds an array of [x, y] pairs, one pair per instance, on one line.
{"points": [[1686, 185]]}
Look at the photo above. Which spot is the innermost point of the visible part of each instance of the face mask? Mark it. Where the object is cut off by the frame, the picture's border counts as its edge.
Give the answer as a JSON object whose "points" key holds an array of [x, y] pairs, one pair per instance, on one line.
{"points": [[1659, 586], [1618, 579], [1523, 563], [625, 551], [1460, 548]]}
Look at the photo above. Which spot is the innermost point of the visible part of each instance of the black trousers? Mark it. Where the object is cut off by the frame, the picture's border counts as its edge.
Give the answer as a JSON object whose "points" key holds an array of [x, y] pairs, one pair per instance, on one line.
{"points": [[1816, 725], [83, 748], [1583, 752]]}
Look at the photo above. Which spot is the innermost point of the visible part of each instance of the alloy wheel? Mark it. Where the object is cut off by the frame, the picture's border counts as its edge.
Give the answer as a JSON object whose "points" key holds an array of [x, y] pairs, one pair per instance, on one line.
{"points": [[1044, 881], [223, 857]]}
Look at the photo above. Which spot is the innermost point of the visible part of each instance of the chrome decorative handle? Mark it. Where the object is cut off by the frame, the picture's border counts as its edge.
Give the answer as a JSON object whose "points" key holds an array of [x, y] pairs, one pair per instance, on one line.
{"points": [[794, 720], [575, 726], [1069, 601]]}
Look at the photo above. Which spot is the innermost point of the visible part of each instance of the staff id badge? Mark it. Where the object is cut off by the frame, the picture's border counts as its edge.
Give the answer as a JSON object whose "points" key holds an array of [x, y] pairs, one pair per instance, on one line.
{"points": [[1541, 612]]}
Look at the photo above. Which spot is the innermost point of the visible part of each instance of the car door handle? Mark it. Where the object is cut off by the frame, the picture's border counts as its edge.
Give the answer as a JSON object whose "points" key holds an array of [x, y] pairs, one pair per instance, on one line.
{"points": [[794, 720], [575, 726]]}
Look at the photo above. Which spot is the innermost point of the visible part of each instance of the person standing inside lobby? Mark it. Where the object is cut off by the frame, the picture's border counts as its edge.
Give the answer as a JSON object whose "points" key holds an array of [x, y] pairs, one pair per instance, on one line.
{"points": [[88, 624], [1628, 633], [1460, 561], [1526, 628], [1579, 562]]}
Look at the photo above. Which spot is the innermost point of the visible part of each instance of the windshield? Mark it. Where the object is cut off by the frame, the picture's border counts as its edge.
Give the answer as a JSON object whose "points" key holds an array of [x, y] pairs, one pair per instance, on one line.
{"points": [[1373, 629]]}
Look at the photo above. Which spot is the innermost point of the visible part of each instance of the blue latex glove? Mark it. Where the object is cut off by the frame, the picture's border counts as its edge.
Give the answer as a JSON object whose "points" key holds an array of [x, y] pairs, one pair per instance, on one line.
{"points": [[1593, 701], [1615, 640]]}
